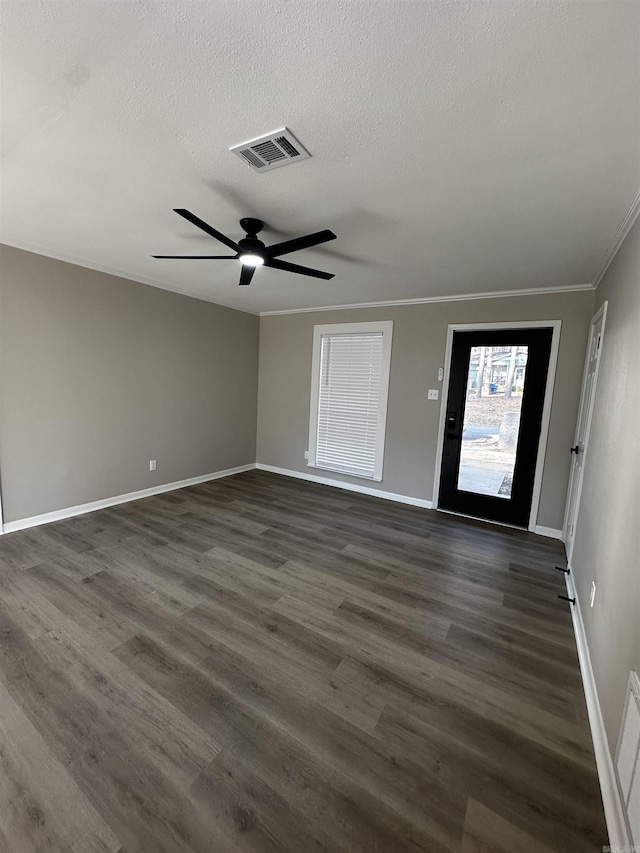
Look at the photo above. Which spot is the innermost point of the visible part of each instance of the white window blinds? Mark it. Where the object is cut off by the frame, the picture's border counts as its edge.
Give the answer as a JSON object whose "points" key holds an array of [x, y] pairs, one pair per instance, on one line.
{"points": [[352, 376]]}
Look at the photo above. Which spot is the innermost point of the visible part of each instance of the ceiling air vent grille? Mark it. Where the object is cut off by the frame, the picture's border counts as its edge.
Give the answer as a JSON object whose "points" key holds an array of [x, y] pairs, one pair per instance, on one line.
{"points": [[271, 151]]}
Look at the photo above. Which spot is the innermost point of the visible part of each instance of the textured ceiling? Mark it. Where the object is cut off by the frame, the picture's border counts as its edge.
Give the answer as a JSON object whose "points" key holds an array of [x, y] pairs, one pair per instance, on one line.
{"points": [[458, 148]]}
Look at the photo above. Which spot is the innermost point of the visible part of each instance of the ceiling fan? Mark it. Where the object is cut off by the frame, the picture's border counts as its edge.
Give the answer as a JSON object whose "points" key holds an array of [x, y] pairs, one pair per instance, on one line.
{"points": [[252, 252]]}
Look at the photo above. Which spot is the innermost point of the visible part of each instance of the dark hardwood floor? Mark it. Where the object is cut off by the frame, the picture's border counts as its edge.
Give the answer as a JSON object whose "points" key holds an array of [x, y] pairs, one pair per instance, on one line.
{"points": [[261, 664]]}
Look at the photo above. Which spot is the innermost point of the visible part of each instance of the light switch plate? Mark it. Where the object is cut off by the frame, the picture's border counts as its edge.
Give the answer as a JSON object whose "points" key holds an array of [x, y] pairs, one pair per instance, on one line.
{"points": [[433, 394]]}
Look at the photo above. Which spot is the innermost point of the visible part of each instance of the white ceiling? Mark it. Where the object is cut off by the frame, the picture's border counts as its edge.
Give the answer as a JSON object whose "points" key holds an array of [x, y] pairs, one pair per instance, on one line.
{"points": [[458, 148]]}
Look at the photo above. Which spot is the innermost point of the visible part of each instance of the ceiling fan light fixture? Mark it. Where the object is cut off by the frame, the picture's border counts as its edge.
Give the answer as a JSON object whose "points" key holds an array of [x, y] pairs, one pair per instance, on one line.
{"points": [[253, 253], [249, 260]]}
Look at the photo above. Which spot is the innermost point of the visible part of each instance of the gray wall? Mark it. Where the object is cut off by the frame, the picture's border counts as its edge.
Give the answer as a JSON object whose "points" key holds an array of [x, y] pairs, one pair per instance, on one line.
{"points": [[99, 375], [419, 338], [607, 539]]}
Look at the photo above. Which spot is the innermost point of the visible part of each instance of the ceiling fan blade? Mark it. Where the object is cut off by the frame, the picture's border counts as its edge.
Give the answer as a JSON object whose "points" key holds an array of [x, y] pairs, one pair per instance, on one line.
{"points": [[191, 217], [301, 243], [200, 257], [283, 265], [246, 274]]}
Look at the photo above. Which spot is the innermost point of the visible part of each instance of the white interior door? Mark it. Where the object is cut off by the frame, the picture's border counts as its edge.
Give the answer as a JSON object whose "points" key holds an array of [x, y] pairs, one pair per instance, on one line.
{"points": [[579, 449]]}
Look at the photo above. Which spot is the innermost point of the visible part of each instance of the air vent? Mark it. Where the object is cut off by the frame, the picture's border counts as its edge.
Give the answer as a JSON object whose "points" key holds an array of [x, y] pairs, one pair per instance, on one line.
{"points": [[271, 151]]}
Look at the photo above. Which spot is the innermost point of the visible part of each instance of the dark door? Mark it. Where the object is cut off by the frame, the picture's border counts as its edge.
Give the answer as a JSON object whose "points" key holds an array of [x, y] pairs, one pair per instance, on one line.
{"points": [[494, 417]]}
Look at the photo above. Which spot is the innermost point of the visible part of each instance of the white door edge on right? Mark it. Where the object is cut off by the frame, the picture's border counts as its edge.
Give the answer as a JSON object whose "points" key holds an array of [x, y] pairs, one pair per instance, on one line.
{"points": [[583, 427]]}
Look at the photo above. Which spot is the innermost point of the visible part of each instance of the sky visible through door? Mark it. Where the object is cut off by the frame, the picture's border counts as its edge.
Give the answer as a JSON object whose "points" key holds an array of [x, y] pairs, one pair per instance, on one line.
{"points": [[491, 426]]}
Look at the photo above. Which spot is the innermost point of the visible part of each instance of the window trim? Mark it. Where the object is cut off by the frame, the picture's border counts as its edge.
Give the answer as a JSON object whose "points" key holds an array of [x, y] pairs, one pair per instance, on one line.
{"points": [[386, 328]]}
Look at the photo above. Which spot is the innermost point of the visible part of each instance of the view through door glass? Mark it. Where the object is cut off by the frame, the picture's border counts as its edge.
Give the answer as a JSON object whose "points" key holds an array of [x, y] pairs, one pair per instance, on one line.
{"points": [[491, 427]]}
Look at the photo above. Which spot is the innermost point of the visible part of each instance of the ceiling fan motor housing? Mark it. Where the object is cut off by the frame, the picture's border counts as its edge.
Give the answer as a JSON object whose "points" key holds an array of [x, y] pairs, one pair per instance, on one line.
{"points": [[251, 245]]}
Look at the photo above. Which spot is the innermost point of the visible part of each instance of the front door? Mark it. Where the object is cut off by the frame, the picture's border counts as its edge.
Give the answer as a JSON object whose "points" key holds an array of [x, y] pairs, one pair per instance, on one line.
{"points": [[493, 421]]}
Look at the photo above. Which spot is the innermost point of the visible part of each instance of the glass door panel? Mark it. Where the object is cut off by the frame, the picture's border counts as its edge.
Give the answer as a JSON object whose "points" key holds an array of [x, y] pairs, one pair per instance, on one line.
{"points": [[491, 426]]}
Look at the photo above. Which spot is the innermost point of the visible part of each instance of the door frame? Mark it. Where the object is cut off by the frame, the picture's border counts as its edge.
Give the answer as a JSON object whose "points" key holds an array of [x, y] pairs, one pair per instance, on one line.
{"points": [[556, 326], [601, 312]]}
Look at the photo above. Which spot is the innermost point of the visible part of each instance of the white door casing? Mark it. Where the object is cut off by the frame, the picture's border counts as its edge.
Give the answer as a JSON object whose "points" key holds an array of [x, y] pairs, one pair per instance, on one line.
{"points": [[585, 413]]}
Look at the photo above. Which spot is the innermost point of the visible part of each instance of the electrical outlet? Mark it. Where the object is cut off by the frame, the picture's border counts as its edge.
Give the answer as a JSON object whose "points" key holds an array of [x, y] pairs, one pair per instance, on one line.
{"points": [[593, 594], [433, 394], [306, 455], [152, 464]]}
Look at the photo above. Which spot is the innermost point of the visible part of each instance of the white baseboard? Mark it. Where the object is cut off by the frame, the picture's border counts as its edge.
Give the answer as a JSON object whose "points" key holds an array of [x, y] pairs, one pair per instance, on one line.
{"points": [[350, 487], [613, 805], [81, 509], [551, 532]]}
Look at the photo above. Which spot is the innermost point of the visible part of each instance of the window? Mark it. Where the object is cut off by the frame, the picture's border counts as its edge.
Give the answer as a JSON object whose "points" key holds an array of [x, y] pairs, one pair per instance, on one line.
{"points": [[349, 385]]}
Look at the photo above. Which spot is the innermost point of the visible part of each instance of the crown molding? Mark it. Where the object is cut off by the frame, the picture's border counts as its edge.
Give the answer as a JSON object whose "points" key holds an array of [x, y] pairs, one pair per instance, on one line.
{"points": [[118, 273], [425, 300], [618, 239], [623, 229]]}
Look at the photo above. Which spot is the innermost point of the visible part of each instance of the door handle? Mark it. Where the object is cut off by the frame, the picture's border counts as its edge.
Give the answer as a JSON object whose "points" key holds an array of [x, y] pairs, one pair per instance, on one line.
{"points": [[575, 449], [452, 420]]}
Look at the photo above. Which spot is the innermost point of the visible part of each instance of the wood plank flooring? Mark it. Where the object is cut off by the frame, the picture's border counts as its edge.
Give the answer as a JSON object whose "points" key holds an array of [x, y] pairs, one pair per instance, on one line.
{"points": [[260, 664]]}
